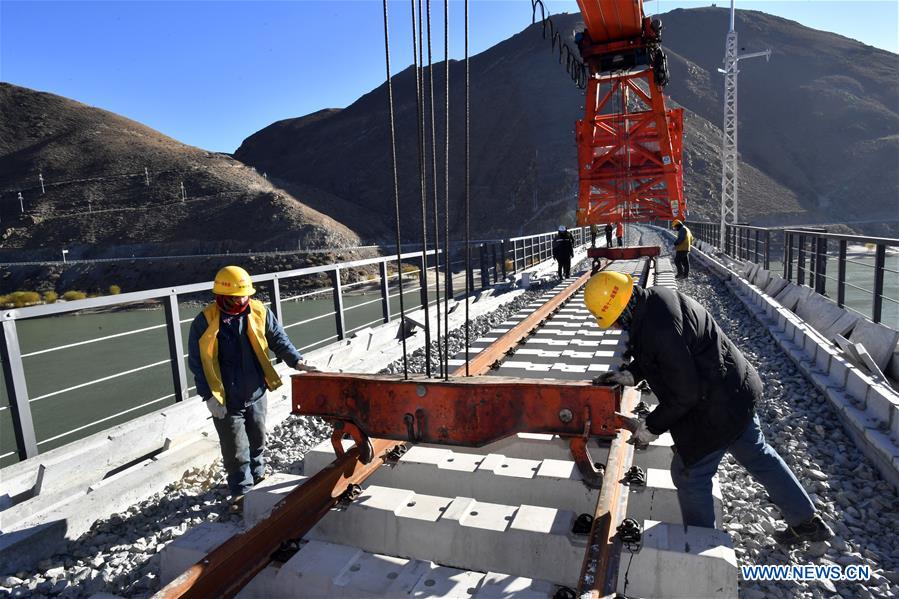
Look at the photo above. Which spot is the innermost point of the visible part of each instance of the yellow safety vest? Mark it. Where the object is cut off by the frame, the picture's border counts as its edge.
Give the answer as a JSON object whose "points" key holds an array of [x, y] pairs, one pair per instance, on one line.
{"points": [[209, 348], [684, 246]]}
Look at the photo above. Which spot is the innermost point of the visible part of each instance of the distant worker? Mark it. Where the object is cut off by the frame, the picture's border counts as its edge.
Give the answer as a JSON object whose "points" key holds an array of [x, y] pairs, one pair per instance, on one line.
{"points": [[563, 251], [609, 235], [593, 235], [707, 394], [619, 233], [682, 249], [228, 354]]}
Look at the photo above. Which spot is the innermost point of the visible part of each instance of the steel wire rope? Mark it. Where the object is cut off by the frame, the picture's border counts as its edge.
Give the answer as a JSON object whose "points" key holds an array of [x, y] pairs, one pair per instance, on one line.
{"points": [[467, 198], [574, 66], [417, 60], [396, 191], [446, 238], [434, 186]]}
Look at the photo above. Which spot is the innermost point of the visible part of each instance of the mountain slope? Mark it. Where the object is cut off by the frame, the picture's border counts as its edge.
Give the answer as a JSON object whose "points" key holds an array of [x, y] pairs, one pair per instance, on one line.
{"points": [[96, 192], [797, 167]]}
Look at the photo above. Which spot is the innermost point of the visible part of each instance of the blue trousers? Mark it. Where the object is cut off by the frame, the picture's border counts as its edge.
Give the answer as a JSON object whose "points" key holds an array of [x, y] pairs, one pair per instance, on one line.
{"points": [[242, 438], [694, 482]]}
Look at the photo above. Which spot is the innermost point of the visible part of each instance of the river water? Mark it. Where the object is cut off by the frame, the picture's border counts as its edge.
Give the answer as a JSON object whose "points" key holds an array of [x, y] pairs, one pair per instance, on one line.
{"points": [[62, 417]]}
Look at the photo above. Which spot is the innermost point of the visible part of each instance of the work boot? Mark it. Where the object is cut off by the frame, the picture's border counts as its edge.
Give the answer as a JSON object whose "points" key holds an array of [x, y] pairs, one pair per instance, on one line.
{"points": [[259, 479], [814, 529], [236, 504]]}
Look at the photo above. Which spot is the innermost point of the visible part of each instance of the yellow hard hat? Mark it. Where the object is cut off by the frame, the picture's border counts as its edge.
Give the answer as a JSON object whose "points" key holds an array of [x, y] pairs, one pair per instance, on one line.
{"points": [[676, 223], [233, 280], [606, 295]]}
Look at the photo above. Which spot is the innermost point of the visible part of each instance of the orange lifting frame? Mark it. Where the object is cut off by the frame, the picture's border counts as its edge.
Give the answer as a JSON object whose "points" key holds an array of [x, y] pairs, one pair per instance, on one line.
{"points": [[629, 161]]}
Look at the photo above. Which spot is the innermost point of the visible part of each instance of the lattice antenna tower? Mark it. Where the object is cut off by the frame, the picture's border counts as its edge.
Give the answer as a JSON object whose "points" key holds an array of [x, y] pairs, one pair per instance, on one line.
{"points": [[729, 200]]}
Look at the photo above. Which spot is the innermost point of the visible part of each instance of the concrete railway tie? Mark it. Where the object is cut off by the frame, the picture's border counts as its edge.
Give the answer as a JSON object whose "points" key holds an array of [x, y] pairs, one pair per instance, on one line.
{"points": [[494, 521]]}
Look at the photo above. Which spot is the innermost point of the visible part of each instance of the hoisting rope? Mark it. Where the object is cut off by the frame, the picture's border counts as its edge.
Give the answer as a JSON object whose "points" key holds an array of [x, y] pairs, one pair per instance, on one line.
{"points": [[396, 190], [446, 237], [434, 187], [417, 59], [467, 197], [575, 67]]}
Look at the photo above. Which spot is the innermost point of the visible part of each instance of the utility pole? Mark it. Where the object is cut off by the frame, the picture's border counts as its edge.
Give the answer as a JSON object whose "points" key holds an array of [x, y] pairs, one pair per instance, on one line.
{"points": [[729, 213], [147, 176], [64, 252], [21, 203], [183, 194], [41, 177]]}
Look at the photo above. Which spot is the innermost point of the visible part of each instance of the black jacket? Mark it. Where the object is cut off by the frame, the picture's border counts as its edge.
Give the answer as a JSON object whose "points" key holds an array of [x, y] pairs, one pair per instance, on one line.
{"points": [[707, 390], [563, 247]]}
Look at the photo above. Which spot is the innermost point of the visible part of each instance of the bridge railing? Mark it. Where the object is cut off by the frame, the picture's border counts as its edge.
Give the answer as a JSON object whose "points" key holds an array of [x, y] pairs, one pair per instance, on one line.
{"points": [[73, 368], [858, 272]]}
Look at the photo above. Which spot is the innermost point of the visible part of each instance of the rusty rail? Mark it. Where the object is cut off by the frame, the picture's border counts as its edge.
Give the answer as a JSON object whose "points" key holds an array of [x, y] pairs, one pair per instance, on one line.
{"points": [[234, 563], [599, 572]]}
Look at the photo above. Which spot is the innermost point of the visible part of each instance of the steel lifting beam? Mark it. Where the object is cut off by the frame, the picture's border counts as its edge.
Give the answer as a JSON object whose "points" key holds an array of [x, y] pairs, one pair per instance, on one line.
{"points": [[463, 411], [234, 563], [625, 253]]}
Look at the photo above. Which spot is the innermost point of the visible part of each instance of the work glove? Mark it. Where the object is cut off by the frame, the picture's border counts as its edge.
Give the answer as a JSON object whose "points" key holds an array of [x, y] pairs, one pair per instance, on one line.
{"points": [[302, 366], [615, 377], [640, 435], [217, 410]]}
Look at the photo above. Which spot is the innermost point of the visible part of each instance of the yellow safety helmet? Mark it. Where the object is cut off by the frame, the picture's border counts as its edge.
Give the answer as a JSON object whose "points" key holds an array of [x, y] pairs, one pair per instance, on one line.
{"points": [[606, 295], [233, 280], [676, 223]]}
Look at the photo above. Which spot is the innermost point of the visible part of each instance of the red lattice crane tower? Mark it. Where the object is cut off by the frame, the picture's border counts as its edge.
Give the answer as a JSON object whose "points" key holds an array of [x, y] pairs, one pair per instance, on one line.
{"points": [[629, 144]]}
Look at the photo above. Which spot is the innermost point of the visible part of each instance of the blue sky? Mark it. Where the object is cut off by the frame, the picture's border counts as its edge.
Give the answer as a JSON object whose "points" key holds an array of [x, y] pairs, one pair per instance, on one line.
{"points": [[211, 72]]}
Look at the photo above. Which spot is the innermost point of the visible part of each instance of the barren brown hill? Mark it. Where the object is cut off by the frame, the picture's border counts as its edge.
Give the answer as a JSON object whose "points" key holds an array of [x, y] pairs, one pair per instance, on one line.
{"points": [[97, 194], [800, 164]]}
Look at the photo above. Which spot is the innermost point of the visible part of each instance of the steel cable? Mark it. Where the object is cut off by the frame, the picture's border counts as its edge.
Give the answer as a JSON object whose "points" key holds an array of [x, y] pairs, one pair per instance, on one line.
{"points": [[396, 191], [417, 59], [467, 195], [434, 186], [574, 66]]}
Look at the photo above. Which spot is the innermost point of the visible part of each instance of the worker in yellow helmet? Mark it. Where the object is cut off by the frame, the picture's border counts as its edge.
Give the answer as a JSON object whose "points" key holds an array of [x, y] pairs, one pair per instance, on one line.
{"points": [[707, 393], [228, 353], [682, 245]]}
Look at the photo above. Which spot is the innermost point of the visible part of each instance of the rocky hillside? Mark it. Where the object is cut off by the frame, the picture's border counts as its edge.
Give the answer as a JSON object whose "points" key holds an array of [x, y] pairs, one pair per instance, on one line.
{"points": [[818, 132], [97, 193]]}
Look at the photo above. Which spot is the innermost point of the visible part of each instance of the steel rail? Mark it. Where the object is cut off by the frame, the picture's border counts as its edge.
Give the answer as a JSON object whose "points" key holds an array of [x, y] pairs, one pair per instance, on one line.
{"points": [[599, 572], [482, 362], [234, 563]]}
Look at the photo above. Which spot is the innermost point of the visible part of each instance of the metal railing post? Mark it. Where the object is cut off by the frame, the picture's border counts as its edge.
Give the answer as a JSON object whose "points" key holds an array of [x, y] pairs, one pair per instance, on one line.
{"points": [[176, 346], [493, 256], [879, 264], [424, 298], [502, 250], [337, 292], [758, 254], [800, 261], [485, 273], [385, 291], [767, 249], [821, 265], [788, 256], [841, 274], [276, 300], [17, 391]]}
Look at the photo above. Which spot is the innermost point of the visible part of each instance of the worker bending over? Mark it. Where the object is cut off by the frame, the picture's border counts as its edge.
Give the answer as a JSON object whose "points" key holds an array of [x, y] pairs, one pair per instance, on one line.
{"points": [[682, 245], [707, 394], [563, 251], [228, 355]]}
